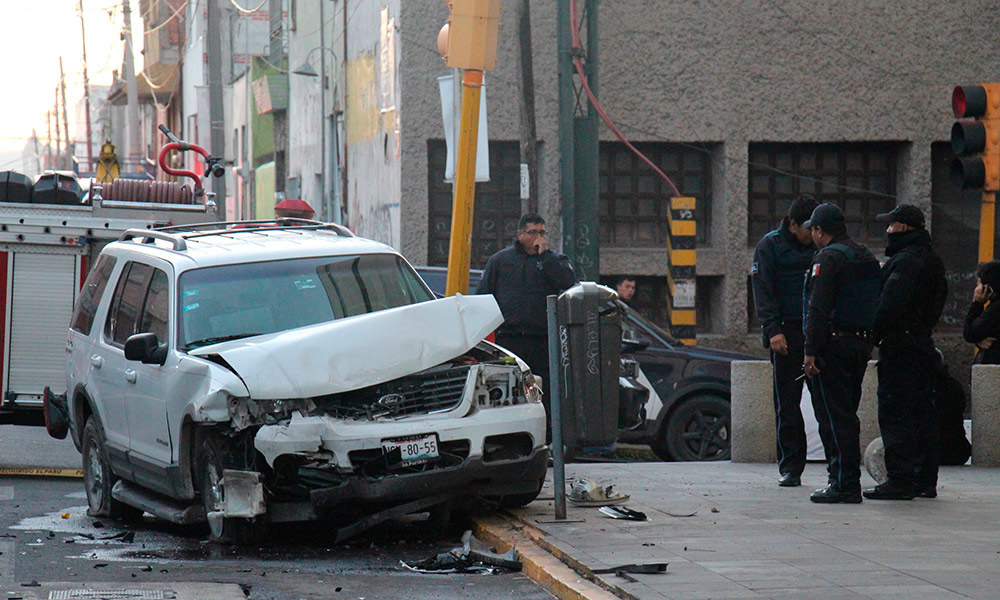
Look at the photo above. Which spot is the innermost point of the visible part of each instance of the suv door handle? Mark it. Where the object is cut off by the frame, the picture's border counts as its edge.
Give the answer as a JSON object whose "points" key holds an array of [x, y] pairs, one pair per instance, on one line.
{"points": [[130, 375], [96, 361]]}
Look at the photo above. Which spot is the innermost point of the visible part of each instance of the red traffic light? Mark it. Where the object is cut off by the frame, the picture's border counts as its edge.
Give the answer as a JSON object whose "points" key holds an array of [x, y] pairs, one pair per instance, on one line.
{"points": [[968, 101]]}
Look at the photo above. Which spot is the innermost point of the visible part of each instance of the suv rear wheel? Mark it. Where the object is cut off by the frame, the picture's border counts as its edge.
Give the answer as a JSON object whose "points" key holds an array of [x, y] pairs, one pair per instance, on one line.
{"points": [[698, 430], [98, 478], [216, 455]]}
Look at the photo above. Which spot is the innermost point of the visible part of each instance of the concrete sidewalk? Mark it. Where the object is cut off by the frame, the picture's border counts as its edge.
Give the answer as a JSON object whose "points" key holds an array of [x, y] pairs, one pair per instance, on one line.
{"points": [[749, 538]]}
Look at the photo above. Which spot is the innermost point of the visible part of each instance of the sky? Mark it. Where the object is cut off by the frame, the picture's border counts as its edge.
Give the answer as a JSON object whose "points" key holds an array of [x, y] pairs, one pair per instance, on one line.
{"points": [[36, 34]]}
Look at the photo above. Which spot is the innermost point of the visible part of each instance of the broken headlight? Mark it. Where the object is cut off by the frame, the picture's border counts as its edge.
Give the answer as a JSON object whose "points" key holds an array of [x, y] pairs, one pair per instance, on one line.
{"points": [[247, 411], [505, 385]]}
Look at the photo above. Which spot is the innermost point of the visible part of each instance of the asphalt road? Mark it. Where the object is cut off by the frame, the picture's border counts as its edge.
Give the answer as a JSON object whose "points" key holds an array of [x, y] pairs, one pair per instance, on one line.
{"points": [[46, 537]]}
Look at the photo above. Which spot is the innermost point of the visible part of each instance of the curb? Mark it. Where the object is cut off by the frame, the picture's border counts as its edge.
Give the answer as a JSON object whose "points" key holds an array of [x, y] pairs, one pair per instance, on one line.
{"points": [[41, 472], [563, 576]]}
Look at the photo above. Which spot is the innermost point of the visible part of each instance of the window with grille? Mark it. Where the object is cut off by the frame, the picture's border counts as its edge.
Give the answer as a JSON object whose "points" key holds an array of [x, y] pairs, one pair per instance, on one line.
{"points": [[497, 205], [635, 200], [858, 177]]}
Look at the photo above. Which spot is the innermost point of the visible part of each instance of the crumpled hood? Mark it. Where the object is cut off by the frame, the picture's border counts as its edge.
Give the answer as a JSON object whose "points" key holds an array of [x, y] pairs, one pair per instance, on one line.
{"points": [[356, 352]]}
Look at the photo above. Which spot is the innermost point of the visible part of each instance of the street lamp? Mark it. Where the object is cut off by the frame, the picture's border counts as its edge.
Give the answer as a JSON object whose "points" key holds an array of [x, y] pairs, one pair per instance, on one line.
{"points": [[330, 210]]}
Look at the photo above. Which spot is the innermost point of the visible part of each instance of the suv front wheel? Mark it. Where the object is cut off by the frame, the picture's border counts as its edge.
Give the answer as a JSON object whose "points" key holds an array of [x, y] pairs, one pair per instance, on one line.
{"points": [[98, 478], [217, 455]]}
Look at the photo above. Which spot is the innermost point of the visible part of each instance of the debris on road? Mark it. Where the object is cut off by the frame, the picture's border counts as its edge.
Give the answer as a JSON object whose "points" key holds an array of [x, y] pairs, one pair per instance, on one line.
{"points": [[587, 492], [622, 512], [466, 559]]}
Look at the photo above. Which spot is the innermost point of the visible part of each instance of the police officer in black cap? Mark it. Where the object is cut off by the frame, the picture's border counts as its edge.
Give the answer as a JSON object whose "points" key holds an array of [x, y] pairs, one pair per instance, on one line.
{"points": [[841, 292], [914, 290], [780, 262]]}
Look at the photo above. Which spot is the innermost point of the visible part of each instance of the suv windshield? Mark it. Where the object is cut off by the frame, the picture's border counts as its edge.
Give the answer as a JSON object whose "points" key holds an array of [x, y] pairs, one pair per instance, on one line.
{"points": [[235, 301]]}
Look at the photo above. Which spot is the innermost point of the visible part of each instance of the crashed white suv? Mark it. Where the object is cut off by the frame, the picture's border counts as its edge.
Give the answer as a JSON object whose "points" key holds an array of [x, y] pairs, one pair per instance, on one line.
{"points": [[256, 373]]}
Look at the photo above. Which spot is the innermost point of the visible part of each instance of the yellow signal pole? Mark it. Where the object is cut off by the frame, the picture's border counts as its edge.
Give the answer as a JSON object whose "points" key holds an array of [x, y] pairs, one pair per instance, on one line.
{"points": [[987, 217], [468, 41], [460, 248]]}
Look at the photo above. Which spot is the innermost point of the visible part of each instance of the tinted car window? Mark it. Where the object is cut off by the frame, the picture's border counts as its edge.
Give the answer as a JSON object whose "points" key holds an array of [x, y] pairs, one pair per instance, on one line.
{"points": [[127, 302], [157, 306], [233, 301], [90, 296]]}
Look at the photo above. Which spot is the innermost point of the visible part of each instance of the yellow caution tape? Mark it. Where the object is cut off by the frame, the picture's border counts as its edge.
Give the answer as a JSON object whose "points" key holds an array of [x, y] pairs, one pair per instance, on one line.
{"points": [[42, 472]]}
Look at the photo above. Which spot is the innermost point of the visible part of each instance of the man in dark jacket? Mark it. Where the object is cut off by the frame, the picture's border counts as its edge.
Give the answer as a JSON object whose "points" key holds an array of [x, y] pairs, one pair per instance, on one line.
{"points": [[914, 290], [841, 292], [520, 277], [780, 262]]}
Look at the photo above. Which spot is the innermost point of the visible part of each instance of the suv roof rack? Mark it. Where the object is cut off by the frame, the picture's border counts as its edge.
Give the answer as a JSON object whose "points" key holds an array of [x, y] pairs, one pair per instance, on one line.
{"points": [[283, 223], [150, 234]]}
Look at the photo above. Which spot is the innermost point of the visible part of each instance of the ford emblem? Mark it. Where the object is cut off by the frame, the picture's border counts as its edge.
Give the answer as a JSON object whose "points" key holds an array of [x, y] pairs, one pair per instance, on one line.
{"points": [[391, 401]]}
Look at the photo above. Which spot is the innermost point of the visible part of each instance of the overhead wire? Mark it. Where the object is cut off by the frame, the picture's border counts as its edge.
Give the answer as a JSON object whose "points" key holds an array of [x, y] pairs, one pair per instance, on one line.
{"points": [[578, 63], [251, 10], [169, 19], [656, 135], [721, 153]]}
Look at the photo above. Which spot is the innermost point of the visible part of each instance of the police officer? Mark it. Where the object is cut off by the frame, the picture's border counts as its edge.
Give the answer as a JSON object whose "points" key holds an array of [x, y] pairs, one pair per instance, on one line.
{"points": [[914, 289], [780, 262], [841, 292]]}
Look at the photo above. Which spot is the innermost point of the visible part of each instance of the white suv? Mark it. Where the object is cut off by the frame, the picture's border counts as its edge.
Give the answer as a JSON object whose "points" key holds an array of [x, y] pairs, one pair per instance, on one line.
{"points": [[265, 372]]}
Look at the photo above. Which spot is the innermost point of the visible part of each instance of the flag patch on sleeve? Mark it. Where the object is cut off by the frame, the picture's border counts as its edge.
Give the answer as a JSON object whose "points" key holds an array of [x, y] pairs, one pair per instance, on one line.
{"points": [[815, 271], [753, 269]]}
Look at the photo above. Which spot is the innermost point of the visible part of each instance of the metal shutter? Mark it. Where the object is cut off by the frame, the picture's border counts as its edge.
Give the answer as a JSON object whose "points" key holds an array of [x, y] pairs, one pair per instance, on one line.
{"points": [[43, 294]]}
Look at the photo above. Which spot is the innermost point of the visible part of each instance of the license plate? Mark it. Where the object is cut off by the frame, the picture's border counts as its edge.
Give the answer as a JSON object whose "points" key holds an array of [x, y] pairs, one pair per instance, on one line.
{"points": [[414, 449]]}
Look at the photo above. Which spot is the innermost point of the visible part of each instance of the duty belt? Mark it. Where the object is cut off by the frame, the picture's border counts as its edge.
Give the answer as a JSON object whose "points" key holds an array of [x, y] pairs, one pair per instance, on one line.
{"points": [[863, 334]]}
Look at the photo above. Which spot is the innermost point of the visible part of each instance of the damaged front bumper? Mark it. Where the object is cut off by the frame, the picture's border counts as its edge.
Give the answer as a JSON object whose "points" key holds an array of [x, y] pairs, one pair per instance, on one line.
{"points": [[488, 451]]}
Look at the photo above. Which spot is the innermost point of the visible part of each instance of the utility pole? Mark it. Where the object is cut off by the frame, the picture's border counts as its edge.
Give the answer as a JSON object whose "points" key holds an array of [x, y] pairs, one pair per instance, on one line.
{"points": [[216, 112], [86, 92], [134, 152], [62, 86], [38, 159], [529, 139], [579, 146], [55, 110], [324, 188], [48, 141]]}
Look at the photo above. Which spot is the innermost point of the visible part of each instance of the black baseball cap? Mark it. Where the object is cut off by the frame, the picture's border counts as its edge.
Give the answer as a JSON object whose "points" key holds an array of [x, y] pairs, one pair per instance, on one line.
{"points": [[825, 216], [906, 214]]}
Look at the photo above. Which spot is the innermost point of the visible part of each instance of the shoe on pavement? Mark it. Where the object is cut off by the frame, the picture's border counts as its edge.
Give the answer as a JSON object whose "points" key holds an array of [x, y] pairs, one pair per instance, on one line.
{"points": [[926, 492], [831, 495], [790, 480], [889, 491]]}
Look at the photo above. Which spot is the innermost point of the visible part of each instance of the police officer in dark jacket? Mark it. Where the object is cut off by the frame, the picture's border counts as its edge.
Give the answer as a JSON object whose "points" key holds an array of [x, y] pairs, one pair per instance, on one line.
{"points": [[841, 292], [520, 277], [780, 262], [914, 290]]}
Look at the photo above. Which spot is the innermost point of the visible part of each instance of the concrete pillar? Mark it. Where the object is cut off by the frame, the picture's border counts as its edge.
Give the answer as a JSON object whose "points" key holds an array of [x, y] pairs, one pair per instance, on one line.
{"points": [[986, 415], [868, 409], [752, 412]]}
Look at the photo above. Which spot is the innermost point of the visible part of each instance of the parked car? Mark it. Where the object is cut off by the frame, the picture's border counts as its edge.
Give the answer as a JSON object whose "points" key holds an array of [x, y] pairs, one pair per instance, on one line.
{"points": [[282, 372], [686, 415]]}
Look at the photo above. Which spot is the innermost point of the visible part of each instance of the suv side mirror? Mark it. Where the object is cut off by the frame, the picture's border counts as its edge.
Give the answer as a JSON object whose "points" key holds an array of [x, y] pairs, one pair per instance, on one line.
{"points": [[146, 348], [631, 342]]}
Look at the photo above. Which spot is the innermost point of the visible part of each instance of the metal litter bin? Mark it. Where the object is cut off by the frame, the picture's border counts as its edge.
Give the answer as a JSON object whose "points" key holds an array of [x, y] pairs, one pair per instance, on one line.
{"points": [[590, 337]]}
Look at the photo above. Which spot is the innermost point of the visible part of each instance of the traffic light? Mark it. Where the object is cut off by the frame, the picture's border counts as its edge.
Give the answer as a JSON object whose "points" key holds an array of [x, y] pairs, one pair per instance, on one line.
{"points": [[469, 39], [975, 139]]}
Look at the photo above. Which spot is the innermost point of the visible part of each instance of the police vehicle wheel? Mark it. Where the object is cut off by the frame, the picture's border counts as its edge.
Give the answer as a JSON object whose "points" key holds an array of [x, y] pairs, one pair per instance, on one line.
{"points": [[699, 429], [98, 479], [215, 456]]}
